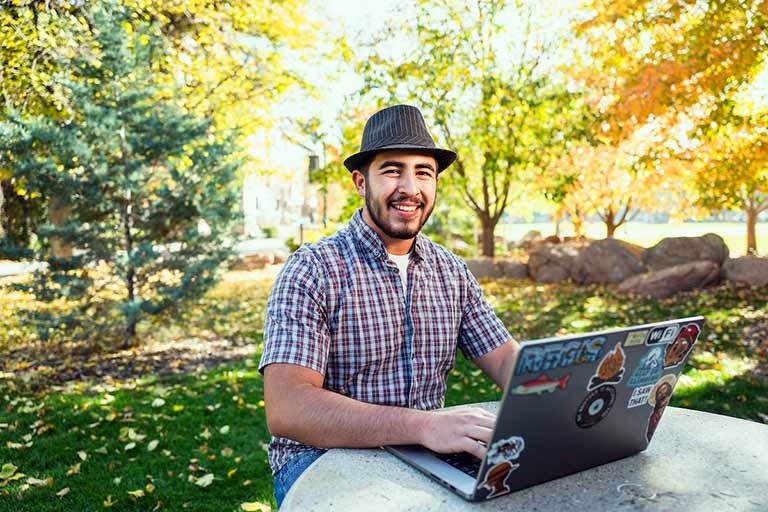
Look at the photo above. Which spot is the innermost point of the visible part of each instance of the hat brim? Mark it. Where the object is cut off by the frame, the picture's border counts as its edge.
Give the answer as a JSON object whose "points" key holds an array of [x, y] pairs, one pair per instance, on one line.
{"points": [[444, 157]]}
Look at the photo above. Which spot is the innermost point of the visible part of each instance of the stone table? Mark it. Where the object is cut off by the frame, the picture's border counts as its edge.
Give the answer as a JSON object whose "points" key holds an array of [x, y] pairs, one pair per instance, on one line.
{"points": [[697, 462]]}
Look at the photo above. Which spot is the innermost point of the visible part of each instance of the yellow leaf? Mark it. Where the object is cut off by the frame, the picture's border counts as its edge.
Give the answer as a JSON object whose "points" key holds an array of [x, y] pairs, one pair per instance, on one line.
{"points": [[7, 471], [231, 472], [37, 482], [74, 470], [255, 507], [205, 480], [138, 493], [63, 492], [150, 488], [178, 408], [109, 502]]}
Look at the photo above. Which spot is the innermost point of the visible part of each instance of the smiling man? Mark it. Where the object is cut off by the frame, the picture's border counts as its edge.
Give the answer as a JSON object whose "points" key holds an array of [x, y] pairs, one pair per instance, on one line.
{"points": [[362, 327]]}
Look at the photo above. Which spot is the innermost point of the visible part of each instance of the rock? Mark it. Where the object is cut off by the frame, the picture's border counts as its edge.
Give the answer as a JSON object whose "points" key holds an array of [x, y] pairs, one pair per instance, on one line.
{"points": [[552, 263], [527, 241], [491, 268], [666, 282], [678, 250], [605, 261], [747, 269]]}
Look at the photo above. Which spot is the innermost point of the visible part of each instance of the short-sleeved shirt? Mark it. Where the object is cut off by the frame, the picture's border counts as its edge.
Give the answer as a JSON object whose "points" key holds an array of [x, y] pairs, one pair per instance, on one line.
{"points": [[338, 307]]}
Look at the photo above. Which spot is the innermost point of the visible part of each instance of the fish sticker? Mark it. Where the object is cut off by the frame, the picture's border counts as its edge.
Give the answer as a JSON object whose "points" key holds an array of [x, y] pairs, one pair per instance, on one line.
{"points": [[610, 370], [649, 369], [635, 338], [663, 334], [541, 384], [678, 349]]}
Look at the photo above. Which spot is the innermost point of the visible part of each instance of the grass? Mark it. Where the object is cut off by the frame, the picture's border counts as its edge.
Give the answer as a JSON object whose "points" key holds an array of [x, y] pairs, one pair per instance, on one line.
{"points": [[145, 431]]}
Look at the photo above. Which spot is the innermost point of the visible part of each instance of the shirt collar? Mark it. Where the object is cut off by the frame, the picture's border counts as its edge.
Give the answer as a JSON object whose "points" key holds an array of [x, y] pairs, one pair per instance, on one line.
{"points": [[370, 242]]}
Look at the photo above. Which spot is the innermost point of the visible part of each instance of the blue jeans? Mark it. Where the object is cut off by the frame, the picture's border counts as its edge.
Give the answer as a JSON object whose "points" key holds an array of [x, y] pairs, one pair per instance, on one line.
{"points": [[292, 470]]}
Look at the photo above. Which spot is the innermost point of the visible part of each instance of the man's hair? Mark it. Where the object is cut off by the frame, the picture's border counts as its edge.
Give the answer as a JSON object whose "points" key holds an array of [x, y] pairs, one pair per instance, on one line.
{"points": [[365, 166]]}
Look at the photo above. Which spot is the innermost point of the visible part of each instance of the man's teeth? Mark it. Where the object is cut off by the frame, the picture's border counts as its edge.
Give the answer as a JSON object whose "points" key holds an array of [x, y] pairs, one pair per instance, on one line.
{"points": [[404, 208]]}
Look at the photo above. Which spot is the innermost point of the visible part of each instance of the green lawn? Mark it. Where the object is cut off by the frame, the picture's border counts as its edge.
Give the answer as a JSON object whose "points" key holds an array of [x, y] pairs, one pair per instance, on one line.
{"points": [[105, 430], [647, 235]]}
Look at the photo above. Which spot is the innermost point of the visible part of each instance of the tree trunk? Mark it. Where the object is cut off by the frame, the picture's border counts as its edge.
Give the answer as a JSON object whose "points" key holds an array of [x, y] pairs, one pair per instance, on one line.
{"points": [[751, 231], [57, 214], [487, 238], [2, 214]]}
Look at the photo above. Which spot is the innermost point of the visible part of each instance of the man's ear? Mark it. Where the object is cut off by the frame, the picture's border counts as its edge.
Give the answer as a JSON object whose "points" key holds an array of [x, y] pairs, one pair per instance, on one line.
{"points": [[359, 180]]}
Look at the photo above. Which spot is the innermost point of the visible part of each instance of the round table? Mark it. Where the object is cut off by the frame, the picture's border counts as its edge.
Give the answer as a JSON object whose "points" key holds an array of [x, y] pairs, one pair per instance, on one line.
{"points": [[697, 462]]}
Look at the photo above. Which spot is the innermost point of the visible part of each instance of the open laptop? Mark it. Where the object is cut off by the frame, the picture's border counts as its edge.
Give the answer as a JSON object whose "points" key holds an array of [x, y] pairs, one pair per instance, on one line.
{"points": [[571, 403]]}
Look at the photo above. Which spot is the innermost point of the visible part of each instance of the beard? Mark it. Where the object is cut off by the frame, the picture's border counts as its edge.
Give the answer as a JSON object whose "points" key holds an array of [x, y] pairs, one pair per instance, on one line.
{"points": [[378, 213]]}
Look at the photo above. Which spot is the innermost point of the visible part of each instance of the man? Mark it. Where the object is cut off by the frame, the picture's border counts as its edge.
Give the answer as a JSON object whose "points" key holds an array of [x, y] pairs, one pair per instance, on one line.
{"points": [[362, 327]]}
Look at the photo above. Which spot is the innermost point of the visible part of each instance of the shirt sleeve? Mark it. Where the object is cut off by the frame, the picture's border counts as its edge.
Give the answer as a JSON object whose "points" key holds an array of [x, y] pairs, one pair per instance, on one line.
{"points": [[481, 330], [296, 328]]}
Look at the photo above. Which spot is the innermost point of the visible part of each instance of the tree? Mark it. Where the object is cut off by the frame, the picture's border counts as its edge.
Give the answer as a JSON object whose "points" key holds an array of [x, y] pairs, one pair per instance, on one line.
{"points": [[149, 188], [490, 98], [732, 167]]}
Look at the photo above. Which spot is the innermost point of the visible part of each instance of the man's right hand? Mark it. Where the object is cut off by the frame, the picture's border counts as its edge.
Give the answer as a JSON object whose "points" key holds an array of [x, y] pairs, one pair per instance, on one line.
{"points": [[465, 429]]}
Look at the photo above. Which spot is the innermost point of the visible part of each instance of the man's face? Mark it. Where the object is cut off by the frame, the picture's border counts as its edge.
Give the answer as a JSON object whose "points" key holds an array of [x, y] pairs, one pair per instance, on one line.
{"points": [[399, 192]]}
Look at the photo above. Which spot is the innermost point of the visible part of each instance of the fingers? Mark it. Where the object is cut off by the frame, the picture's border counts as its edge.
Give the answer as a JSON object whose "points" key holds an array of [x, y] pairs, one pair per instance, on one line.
{"points": [[475, 448]]}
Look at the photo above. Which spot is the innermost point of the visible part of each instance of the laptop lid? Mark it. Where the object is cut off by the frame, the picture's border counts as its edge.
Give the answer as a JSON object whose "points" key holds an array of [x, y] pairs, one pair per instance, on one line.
{"points": [[579, 401]]}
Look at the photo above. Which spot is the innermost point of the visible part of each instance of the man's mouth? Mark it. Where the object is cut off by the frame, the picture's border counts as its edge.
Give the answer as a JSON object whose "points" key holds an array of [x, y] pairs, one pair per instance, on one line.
{"points": [[405, 207]]}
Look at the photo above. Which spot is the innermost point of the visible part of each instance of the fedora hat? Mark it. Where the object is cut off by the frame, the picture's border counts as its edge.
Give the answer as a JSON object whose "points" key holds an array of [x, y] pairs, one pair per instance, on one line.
{"points": [[398, 127]]}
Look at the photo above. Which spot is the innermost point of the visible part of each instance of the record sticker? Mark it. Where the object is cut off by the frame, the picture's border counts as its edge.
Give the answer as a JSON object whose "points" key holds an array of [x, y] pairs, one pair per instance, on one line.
{"points": [[635, 338], [678, 349], [595, 406], [610, 370], [663, 334], [649, 369]]}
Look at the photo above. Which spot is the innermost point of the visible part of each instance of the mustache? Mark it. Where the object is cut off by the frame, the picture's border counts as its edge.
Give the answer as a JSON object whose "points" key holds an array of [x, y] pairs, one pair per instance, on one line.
{"points": [[420, 202]]}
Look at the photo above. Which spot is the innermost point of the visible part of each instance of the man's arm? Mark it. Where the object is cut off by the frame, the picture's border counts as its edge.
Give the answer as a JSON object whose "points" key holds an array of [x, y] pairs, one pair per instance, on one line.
{"points": [[299, 408], [498, 363]]}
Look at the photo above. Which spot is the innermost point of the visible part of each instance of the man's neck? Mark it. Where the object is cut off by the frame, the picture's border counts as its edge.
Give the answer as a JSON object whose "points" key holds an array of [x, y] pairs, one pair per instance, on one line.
{"points": [[395, 246]]}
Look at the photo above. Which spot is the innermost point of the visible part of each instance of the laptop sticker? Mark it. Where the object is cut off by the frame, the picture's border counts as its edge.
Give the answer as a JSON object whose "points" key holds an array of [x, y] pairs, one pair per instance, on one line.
{"points": [[635, 338], [595, 406], [659, 398], [500, 454], [639, 396], [678, 349], [663, 334], [541, 384], [649, 369], [542, 358], [610, 370]]}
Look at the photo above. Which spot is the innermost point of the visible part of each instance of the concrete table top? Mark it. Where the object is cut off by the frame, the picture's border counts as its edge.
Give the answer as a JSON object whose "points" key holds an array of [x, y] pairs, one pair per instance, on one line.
{"points": [[697, 462]]}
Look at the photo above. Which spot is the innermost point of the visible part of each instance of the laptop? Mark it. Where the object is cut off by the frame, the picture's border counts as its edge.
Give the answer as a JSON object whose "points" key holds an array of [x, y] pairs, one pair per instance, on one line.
{"points": [[571, 403]]}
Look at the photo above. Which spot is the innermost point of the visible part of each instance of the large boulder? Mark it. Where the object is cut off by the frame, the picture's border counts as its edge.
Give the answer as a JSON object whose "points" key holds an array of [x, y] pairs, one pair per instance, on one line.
{"points": [[528, 240], [685, 249], [747, 269], [606, 261], [491, 268], [552, 263], [667, 282]]}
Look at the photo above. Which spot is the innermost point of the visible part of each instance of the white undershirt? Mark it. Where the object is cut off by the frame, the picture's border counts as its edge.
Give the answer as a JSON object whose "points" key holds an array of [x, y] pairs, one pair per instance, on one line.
{"points": [[402, 265]]}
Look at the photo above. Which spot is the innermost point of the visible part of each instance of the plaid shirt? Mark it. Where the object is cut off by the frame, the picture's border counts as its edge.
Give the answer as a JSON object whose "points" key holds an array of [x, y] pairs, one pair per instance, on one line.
{"points": [[338, 308]]}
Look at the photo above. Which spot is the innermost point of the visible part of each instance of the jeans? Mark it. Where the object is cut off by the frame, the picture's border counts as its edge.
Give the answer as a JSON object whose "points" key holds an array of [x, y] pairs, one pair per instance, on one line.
{"points": [[292, 470]]}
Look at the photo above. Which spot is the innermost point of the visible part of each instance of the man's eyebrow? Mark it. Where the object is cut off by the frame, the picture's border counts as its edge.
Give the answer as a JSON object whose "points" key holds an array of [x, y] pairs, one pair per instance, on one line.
{"points": [[391, 163]]}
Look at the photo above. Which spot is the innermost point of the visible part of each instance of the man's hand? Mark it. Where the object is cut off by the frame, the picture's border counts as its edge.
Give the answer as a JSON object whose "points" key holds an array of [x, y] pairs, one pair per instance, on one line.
{"points": [[467, 429]]}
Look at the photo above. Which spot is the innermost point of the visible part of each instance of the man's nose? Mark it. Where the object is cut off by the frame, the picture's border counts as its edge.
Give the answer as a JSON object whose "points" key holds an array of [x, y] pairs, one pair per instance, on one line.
{"points": [[407, 183]]}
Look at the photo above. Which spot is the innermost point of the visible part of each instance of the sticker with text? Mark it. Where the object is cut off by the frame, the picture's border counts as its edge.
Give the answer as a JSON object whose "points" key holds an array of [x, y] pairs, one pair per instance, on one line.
{"points": [[663, 334], [639, 396], [659, 399], [635, 338], [595, 406], [546, 357], [649, 369], [500, 455], [610, 370], [541, 384], [678, 349]]}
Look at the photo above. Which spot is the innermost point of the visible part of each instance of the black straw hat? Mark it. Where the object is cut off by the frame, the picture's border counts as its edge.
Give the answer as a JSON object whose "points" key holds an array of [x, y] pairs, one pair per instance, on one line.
{"points": [[398, 127]]}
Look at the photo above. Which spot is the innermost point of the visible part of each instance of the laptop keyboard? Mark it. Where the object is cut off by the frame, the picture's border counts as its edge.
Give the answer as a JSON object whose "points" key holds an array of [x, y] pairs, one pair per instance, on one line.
{"points": [[463, 461]]}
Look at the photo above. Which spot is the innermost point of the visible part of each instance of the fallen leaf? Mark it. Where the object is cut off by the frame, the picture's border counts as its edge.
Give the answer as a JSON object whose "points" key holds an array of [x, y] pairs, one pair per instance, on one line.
{"points": [[158, 402], [7, 471], [38, 482], [763, 417], [152, 445], [109, 502], [205, 480], [231, 472], [102, 450], [130, 446], [74, 470], [138, 493], [150, 488], [63, 492], [83, 455], [255, 507], [224, 429]]}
